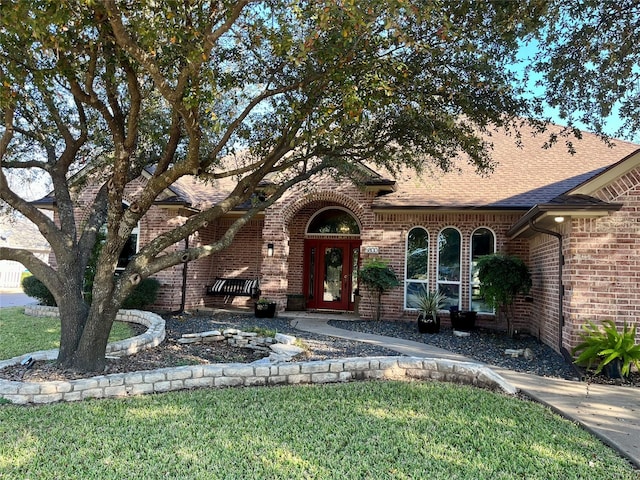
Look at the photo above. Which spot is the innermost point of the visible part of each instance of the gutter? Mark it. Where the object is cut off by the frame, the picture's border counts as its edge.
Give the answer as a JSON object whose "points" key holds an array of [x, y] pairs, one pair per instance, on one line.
{"points": [[183, 292]]}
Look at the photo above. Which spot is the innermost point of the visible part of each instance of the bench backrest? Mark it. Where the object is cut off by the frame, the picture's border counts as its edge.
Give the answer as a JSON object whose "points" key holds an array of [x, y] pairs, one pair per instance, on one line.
{"points": [[235, 286]]}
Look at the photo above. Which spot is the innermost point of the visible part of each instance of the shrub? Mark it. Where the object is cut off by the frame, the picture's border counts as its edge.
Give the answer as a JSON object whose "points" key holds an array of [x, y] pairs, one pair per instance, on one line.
{"points": [[144, 294], [606, 344], [378, 276], [502, 278], [36, 289]]}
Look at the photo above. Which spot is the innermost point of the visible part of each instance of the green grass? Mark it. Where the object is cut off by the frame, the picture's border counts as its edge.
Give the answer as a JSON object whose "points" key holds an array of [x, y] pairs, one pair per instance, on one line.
{"points": [[263, 332], [21, 334], [366, 430]]}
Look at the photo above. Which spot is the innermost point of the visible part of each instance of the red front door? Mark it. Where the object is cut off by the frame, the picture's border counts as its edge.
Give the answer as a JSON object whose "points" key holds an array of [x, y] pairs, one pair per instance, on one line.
{"points": [[331, 273]]}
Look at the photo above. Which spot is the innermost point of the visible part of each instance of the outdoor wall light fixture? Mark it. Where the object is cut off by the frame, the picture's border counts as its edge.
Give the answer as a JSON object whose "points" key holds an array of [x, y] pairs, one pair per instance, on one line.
{"points": [[559, 219], [269, 249]]}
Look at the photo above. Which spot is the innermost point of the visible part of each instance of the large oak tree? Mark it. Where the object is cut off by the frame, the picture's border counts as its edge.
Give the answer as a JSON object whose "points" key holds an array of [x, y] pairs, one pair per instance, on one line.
{"points": [[98, 91], [589, 64]]}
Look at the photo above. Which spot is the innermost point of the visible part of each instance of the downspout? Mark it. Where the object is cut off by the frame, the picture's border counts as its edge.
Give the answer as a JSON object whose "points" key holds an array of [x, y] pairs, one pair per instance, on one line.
{"points": [[535, 228], [183, 293]]}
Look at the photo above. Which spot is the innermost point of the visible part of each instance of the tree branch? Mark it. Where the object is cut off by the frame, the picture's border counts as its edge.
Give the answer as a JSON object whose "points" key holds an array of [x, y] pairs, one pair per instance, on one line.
{"points": [[40, 269]]}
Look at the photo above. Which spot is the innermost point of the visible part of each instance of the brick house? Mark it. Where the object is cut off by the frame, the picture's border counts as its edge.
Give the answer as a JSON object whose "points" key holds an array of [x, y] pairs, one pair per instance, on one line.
{"points": [[574, 219]]}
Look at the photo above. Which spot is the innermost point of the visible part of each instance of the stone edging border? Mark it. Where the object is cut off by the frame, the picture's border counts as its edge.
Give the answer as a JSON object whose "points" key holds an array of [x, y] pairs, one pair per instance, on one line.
{"points": [[151, 338], [248, 375], [118, 385]]}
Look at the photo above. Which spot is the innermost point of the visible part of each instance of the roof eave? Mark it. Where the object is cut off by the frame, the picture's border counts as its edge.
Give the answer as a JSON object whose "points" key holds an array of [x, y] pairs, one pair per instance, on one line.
{"points": [[549, 214], [446, 208]]}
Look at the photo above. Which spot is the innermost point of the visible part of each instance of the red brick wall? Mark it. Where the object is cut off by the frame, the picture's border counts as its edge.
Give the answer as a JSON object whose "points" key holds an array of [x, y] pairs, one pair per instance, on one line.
{"points": [[603, 261], [241, 260], [543, 264], [389, 235], [286, 223]]}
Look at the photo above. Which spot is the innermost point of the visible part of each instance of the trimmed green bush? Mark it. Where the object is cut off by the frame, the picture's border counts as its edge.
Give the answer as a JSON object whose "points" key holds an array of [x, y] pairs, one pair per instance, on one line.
{"points": [[144, 294], [36, 289], [502, 279], [378, 276]]}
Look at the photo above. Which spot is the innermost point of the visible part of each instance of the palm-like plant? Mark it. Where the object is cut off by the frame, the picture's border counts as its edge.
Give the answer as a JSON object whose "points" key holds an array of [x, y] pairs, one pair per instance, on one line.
{"points": [[429, 302], [606, 344]]}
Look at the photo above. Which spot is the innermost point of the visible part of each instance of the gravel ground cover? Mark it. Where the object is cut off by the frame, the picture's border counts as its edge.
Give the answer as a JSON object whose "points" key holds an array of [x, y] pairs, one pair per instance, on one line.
{"points": [[321, 347], [489, 346], [482, 345]]}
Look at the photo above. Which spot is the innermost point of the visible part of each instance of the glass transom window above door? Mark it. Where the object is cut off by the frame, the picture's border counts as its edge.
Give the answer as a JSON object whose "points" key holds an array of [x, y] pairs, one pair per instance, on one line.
{"points": [[334, 221]]}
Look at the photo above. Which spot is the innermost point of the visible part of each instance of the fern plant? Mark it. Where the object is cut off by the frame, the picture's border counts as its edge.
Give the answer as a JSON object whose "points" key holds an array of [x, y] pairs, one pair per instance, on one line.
{"points": [[606, 344]]}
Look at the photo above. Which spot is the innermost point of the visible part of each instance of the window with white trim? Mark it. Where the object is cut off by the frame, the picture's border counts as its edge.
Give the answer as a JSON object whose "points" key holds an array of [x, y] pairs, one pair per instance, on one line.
{"points": [[483, 242], [449, 254], [130, 248], [416, 265]]}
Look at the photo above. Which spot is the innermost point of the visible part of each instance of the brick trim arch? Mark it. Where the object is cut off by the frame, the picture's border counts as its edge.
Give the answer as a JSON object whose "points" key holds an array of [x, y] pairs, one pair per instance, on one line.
{"points": [[289, 211]]}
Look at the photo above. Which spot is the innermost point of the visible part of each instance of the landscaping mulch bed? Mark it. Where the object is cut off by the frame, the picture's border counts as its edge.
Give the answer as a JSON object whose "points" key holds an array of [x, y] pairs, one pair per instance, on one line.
{"points": [[486, 346], [172, 354]]}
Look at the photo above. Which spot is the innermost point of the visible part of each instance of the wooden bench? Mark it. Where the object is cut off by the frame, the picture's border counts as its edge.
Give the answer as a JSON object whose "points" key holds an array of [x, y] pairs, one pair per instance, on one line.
{"points": [[234, 287]]}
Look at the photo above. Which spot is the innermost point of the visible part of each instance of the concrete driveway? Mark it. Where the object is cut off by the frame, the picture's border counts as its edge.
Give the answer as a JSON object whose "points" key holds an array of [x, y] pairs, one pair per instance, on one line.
{"points": [[14, 298]]}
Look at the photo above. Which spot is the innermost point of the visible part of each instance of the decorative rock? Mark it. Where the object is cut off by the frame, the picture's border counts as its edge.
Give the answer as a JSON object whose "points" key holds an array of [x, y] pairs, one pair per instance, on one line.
{"points": [[262, 361], [257, 348], [459, 333], [188, 340], [210, 333], [285, 349], [278, 358], [230, 331], [286, 339], [213, 339], [528, 354], [191, 335], [514, 352]]}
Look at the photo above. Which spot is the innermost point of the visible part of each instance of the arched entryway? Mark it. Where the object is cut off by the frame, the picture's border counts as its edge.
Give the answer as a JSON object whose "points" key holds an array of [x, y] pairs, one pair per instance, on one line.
{"points": [[331, 259]]}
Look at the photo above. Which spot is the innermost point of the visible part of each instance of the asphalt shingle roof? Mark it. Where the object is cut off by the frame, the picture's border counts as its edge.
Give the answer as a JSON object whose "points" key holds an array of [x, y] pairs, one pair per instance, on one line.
{"points": [[523, 176]]}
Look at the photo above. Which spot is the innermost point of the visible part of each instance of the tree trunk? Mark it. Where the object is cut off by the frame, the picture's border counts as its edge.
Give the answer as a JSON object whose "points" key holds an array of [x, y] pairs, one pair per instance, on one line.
{"points": [[92, 346], [73, 316], [90, 354], [73, 312], [85, 329]]}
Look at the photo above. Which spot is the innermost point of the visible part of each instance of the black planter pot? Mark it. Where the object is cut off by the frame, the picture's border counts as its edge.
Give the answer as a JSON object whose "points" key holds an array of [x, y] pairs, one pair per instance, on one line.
{"points": [[613, 369], [296, 302], [427, 325], [465, 320], [264, 310]]}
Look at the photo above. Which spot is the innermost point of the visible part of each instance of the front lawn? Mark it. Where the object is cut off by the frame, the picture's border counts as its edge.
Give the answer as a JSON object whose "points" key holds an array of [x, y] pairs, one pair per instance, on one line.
{"points": [[366, 430], [20, 333]]}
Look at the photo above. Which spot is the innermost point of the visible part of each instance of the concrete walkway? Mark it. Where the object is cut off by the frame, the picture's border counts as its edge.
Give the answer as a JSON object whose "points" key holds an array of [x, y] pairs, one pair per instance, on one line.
{"points": [[611, 413]]}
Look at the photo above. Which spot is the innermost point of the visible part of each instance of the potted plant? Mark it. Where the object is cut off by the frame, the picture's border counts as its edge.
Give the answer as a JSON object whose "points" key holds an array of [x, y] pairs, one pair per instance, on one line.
{"points": [[614, 351], [265, 308], [428, 303]]}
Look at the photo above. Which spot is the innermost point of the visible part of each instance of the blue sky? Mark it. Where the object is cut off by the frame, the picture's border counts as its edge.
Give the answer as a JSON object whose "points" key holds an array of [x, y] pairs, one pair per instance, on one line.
{"points": [[611, 124]]}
